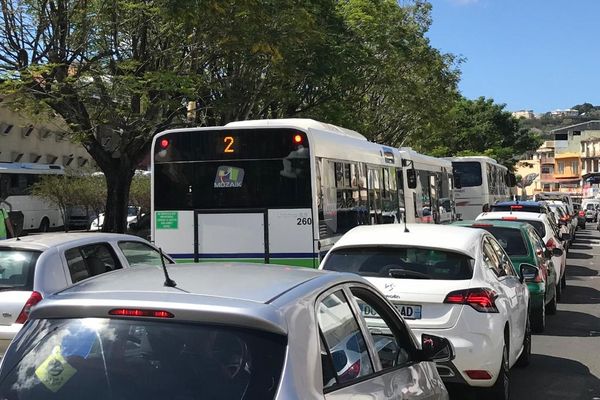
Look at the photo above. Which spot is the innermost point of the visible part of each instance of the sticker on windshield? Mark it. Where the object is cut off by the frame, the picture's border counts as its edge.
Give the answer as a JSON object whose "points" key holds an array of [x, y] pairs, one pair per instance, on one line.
{"points": [[55, 371], [229, 177]]}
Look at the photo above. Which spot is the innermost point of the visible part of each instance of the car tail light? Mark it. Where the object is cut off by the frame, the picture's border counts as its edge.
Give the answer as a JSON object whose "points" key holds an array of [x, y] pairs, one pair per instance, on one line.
{"points": [[132, 312], [582, 213], [351, 373], [550, 244], [481, 299], [35, 298], [516, 207], [509, 218], [478, 374], [482, 226]]}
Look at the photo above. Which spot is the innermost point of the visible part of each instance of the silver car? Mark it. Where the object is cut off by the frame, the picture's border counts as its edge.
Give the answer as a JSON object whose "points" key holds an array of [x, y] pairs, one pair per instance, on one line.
{"points": [[220, 331], [33, 267]]}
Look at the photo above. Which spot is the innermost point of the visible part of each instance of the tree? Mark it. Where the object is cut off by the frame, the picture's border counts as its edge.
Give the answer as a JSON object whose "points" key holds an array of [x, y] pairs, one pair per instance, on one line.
{"points": [[481, 127], [119, 71], [114, 71], [56, 189], [140, 193]]}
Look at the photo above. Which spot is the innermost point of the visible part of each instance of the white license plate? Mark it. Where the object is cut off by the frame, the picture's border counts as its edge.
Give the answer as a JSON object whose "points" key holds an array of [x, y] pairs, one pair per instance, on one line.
{"points": [[408, 311]]}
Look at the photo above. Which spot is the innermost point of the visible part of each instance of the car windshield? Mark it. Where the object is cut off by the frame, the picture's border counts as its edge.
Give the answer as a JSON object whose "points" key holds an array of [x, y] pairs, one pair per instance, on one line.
{"points": [[591, 206], [401, 262], [510, 239], [110, 359], [17, 268]]}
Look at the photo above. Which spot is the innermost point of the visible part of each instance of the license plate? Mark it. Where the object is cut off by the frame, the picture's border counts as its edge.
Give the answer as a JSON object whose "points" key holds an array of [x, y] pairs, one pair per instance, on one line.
{"points": [[408, 311]]}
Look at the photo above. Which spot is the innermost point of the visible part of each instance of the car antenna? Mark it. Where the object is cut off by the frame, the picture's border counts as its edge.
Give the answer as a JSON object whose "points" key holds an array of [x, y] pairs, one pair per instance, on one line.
{"points": [[168, 281]]}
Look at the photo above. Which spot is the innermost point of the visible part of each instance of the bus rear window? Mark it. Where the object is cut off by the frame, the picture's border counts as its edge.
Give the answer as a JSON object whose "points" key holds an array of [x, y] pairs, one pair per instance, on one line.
{"points": [[469, 173]]}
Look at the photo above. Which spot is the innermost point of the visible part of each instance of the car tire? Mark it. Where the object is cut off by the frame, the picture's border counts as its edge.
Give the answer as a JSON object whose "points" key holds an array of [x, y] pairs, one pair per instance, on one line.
{"points": [[501, 388], [552, 306], [525, 356], [44, 225], [538, 319]]}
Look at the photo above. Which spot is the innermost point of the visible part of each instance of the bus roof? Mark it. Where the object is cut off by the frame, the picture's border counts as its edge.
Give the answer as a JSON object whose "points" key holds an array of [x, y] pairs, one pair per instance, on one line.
{"points": [[302, 123], [475, 158], [410, 154], [30, 168]]}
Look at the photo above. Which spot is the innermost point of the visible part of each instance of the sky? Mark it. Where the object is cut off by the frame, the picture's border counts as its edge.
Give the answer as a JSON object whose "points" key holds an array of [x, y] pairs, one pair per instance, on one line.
{"points": [[538, 55]]}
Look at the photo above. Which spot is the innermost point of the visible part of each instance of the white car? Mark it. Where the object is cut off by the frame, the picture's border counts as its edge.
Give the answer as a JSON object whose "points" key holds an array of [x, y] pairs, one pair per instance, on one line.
{"points": [[451, 281], [132, 217], [34, 267], [547, 231]]}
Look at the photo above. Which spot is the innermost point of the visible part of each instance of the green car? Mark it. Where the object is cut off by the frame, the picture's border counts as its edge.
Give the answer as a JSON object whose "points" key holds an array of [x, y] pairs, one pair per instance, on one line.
{"points": [[523, 245]]}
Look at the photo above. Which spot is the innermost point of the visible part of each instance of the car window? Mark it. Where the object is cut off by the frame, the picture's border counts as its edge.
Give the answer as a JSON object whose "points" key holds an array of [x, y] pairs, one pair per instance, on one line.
{"points": [[90, 260], [401, 262], [506, 266], [17, 269], [538, 245], [511, 240], [490, 258], [140, 253], [118, 359], [391, 342], [344, 342]]}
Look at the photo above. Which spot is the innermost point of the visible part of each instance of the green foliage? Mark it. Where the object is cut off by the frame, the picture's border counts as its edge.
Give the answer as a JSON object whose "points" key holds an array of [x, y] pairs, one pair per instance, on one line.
{"points": [[481, 127], [139, 194], [56, 189]]}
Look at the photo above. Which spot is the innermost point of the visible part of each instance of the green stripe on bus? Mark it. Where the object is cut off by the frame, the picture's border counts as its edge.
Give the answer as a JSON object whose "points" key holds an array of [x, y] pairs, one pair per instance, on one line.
{"points": [[294, 262]]}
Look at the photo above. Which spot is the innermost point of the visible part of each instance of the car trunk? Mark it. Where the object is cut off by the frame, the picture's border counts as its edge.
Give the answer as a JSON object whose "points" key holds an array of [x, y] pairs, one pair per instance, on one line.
{"points": [[429, 294], [17, 269], [11, 305]]}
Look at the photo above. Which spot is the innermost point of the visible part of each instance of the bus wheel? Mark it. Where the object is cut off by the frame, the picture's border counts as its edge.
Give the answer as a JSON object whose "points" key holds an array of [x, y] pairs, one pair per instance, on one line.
{"points": [[44, 225]]}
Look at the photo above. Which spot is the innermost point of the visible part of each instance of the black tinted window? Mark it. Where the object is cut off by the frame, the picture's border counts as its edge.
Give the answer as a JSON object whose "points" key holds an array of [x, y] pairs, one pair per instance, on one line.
{"points": [[17, 268], [233, 184], [407, 263], [102, 359], [511, 240], [469, 172]]}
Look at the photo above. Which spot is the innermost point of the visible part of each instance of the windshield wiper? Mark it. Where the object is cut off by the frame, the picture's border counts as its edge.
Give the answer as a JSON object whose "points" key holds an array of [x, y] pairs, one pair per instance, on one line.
{"points": [[407, 273]]}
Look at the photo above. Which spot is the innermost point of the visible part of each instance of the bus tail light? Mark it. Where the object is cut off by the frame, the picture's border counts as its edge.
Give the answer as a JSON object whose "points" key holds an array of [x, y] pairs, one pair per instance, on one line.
{"points": [[164, 143], [481, 299], [35, 298], [298, 139]]}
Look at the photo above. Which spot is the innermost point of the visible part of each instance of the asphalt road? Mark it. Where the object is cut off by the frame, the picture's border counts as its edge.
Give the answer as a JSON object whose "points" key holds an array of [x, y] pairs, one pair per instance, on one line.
{"points": [[566, 356], [565, 361]]}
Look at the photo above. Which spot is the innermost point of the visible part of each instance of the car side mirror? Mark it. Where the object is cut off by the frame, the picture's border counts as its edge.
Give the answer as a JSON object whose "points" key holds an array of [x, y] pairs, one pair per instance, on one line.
{"points": [[527, 272], [565, 236], [556, 252], [411, 178], [549, 254], [436, 348]]}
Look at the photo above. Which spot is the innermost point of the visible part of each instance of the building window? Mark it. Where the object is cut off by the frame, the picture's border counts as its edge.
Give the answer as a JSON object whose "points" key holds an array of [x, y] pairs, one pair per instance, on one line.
{"points": [[575, 167], [561, 167]]}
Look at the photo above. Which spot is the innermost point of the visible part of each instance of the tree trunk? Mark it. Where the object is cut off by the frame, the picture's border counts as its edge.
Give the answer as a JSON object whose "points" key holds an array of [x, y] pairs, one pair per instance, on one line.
{"points": [[118, 183]]}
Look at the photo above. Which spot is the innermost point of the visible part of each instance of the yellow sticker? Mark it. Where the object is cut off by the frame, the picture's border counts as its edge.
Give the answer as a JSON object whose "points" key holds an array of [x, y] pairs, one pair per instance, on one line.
{"points": [[55, 371]]}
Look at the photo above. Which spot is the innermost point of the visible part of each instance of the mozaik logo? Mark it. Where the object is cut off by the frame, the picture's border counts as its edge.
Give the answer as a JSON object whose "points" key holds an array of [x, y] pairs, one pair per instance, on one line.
{"points": [[229, 177]]}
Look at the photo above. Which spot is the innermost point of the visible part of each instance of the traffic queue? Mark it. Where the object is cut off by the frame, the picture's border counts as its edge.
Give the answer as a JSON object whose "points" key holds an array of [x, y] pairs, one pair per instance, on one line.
{"points": [[424, 274]]}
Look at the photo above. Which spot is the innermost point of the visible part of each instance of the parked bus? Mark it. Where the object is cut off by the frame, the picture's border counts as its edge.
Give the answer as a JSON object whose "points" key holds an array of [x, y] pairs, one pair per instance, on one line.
{"points": [[280, 191], [432, 200], [16, 180], [479, 182]]}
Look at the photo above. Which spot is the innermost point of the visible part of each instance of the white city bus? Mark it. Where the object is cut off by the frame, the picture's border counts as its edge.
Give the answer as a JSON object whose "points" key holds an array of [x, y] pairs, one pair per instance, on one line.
{"points": [[479, 182], [432, 200], [16, 180], [280, 191]]}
